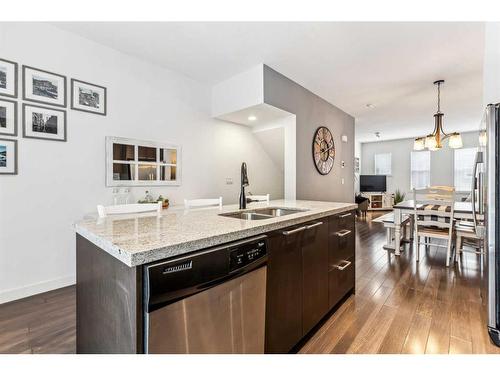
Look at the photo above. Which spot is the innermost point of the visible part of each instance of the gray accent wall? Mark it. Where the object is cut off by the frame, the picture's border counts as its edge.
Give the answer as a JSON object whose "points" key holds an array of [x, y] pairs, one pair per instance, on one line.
{"points": [[312, 112]]}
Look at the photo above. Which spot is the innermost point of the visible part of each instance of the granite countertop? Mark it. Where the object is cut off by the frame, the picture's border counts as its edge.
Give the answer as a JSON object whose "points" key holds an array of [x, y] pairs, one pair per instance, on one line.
{"points": [[137, 239]]}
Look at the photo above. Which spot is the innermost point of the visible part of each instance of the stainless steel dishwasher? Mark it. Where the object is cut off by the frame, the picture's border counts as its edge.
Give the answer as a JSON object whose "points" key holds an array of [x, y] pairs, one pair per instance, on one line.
{"points": [[212, 301]]}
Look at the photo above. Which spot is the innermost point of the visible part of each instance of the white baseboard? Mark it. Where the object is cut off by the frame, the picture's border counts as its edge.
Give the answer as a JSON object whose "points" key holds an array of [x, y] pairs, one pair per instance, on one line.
{"points": [[29, 290]]}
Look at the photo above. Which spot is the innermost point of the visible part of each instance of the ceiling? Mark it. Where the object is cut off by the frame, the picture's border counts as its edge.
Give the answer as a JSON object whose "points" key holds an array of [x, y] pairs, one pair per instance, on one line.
{"points": [[389, 65]]}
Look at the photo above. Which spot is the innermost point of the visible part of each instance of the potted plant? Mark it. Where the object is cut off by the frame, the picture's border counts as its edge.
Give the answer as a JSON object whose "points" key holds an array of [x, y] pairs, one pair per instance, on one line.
{"points": [[398, 197]]}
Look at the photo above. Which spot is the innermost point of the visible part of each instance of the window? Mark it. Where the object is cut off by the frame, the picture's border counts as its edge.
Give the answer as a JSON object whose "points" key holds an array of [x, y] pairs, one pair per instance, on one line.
{"points": [[420, 169], [383, 164], [131, 162], [462, 171]]}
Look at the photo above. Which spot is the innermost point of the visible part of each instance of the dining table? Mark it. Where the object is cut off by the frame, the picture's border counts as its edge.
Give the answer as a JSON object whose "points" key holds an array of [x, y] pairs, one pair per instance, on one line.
{"points": [[462, 210]]}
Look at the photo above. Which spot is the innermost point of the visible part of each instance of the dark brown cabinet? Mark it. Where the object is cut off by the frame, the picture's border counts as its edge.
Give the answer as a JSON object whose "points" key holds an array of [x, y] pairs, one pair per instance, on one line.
{"points": [[314, 274], [341, 247], [297, 283], [284, 290]]}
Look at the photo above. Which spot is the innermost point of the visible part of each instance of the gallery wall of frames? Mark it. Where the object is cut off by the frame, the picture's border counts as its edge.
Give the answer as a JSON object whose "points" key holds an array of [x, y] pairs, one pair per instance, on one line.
{"points": [[42, 107]]}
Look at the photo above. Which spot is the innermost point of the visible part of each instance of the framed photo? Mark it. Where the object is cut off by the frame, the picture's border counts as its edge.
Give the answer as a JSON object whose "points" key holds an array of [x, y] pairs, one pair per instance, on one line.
{"points": [[44, 123], [8, 117], [41, 86], [8, 156], [8, 78], [88, 97]]}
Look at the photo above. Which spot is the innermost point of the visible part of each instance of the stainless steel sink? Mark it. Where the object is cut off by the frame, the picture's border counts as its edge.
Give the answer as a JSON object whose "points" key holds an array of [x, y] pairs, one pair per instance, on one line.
{"points": [[262, 213], [276, 211], [247, 216]]}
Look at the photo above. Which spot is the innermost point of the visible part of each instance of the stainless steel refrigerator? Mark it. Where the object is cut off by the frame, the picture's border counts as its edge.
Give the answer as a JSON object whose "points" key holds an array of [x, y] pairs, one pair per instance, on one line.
{"points": [[485, 198]]}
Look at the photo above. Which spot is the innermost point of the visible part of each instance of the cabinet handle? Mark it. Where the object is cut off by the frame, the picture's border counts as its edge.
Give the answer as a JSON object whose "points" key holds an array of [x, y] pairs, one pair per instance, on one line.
{"points": [[314, 225], [346, 264], [345, 215], [289, 232], [343, 233]]}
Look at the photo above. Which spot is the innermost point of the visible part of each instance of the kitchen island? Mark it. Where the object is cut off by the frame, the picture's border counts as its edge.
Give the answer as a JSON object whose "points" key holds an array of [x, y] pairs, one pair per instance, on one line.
{"points": [[308, 271]]}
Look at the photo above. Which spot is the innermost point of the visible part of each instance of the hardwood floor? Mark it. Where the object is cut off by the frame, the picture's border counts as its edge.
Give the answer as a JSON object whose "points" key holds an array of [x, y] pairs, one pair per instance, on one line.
{"points": [[404, 307], [399, 307], [45, 323]]}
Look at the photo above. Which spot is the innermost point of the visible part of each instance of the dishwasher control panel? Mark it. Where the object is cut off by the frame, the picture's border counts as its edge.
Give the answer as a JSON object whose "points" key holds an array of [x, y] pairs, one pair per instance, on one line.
{"points": [[247, 253]]}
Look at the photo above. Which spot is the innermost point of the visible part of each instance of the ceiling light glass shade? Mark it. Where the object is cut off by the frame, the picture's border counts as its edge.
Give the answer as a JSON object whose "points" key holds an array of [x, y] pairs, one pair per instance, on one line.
{"points": [[435, 148], [483, 140], [455, 141], [431, 142], [419, 144]]}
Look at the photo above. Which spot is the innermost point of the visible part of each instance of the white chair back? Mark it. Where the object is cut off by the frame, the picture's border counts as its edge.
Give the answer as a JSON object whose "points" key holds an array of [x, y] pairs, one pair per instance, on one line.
{"points": [[259, 198], [189, 203], [434, 206], [104, 211]]}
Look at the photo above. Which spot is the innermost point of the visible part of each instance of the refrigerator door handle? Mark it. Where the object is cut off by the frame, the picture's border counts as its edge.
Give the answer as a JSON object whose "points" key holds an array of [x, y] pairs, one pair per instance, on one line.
{"points": [[473, 192]]}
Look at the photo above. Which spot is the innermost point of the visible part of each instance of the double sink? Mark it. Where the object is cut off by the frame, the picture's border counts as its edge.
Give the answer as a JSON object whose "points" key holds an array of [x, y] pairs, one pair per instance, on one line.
{"points": [[263, 213]]}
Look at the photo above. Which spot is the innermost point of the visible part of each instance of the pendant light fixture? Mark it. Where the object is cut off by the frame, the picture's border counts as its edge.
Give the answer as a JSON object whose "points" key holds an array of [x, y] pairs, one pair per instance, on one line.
{"points": [[434, 140]]}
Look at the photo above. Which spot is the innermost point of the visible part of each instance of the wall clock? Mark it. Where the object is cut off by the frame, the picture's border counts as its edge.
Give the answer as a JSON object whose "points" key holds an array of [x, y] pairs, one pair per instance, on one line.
{"points": [[323, 150]]}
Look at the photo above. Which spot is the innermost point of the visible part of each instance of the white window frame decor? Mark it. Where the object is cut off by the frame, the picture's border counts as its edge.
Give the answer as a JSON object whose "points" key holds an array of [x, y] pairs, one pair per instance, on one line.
{"points": [[383, 156], [460, 169], [428, 170], [110, 182]]}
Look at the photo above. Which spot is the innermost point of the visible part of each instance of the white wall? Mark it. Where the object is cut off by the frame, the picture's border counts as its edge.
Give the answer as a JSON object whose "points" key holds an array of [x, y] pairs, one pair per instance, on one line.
{"points": [[288, 126], [441, 161], [491, 71], [59, 182], [241, 91]]}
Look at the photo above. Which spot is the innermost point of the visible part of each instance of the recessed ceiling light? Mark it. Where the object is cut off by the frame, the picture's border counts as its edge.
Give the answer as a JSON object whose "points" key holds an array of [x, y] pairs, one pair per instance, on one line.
{"points": [[252, 118], [370, 105]]}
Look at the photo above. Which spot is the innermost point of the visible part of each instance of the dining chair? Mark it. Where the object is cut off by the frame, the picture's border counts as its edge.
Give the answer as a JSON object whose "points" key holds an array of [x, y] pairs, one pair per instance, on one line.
{"points": [[104, 211], [258, 198], [466, 230], [190, 203], [434, 218]]}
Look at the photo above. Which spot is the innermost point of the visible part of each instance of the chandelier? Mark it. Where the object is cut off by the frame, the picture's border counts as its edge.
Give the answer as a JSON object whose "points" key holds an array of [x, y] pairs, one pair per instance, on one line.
{"points": [[434, 140]]}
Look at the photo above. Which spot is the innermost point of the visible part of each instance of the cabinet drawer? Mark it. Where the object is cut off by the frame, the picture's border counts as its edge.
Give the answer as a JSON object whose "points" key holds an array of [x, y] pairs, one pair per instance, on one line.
{"points": [[341, 279], [342, 221], [341, 245], [347, 220], [341, 237]]}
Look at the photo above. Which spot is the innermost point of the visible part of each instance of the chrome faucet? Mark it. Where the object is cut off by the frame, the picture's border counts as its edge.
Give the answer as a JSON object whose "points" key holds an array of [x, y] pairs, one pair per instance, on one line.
{"points": [[244, 183]]}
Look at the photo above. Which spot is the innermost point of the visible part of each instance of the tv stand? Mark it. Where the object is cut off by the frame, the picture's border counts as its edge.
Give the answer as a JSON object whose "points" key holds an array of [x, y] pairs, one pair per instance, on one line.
{"points": [[379, 201]]}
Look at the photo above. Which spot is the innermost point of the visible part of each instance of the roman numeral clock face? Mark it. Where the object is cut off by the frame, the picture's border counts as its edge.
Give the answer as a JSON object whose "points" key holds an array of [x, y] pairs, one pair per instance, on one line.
{"points": [[323, 150]]}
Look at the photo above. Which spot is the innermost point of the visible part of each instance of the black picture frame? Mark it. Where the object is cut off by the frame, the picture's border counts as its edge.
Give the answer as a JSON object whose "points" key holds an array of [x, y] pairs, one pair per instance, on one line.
{"points": [[65, 139], [15, 118], [42, 101], [73, 98], [15, 156], [15, 79]]}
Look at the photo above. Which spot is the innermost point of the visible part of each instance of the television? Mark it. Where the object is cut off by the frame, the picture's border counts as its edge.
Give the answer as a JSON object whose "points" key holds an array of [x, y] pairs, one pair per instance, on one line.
{"points": [[372, 183]]}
